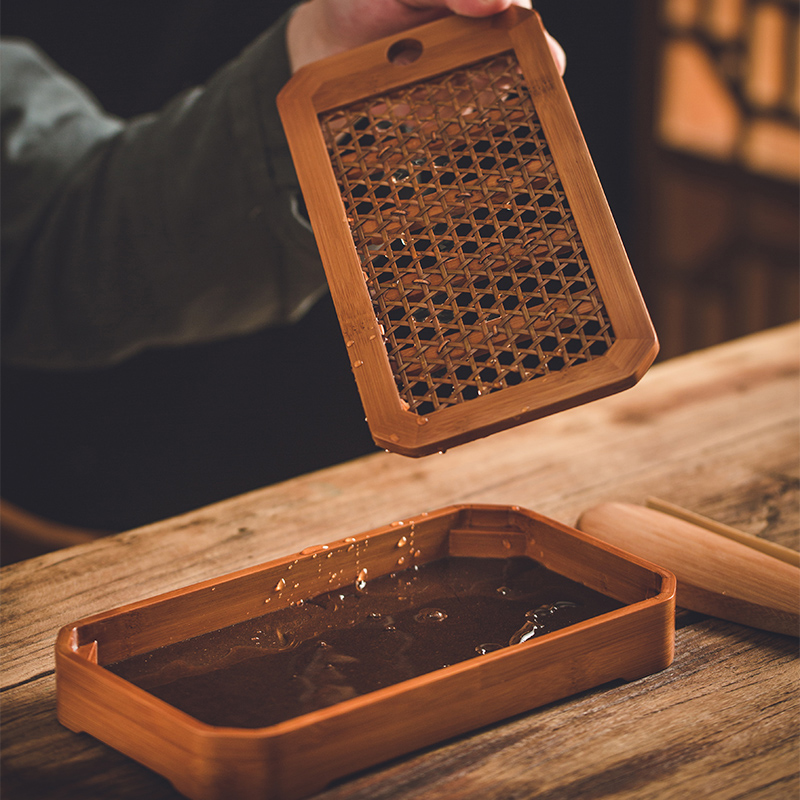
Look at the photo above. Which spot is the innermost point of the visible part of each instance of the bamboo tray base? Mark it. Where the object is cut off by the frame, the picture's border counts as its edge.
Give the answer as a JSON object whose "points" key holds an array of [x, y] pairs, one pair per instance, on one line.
{"points": [[300, 756]]}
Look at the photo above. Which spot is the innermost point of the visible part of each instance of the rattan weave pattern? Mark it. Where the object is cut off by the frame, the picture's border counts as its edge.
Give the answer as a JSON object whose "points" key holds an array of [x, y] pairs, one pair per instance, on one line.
{"points": [[468, 247]]}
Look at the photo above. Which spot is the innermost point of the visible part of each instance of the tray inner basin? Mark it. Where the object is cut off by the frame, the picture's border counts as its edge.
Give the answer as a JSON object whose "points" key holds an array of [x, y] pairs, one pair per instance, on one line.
{"points": [[360, 637]]}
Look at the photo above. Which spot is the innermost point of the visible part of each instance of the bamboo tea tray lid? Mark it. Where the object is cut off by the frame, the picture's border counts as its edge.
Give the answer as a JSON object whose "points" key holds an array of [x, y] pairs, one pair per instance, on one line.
{"points": [[477, 273]]}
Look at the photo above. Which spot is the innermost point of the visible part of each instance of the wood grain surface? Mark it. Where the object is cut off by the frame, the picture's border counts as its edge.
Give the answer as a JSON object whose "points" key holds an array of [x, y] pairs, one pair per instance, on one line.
{"points": [[715, 432]]}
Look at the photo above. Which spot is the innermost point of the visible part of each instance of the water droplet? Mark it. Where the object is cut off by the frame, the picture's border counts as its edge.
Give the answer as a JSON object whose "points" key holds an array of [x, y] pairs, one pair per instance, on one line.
{"points": [[267, 599], [349, 343], [350, 539], [397, 524], [357, 364], [506, 544], [422, 420], [417, 553], [489, 647], [401, 561], [281, 584], [403, 540], [351, 547], [361, 579], [504, 591], [314, 549], [537, 614], [564, 604], [431, 615], [526, 632]]}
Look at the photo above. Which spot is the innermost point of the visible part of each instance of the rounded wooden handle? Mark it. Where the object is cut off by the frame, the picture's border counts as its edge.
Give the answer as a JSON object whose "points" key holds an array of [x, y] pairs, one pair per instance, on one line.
{"points": [[716, 575]]}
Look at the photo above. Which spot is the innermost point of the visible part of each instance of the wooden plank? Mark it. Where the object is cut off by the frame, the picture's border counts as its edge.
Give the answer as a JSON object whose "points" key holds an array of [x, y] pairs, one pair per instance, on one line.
{"points": [[715, 432], [721, 722]]}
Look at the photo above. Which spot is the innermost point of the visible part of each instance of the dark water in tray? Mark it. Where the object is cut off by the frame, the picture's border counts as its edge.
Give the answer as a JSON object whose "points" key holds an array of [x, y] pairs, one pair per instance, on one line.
{"points": [[354, 640]]}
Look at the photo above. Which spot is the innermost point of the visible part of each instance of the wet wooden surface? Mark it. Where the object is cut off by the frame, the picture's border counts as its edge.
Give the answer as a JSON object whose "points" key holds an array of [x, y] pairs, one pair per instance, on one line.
{"points": [[715, 431]]}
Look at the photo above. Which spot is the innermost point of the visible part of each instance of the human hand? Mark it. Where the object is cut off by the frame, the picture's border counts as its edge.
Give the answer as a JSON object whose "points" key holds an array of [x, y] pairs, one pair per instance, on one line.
{"points": [[321, 28]]}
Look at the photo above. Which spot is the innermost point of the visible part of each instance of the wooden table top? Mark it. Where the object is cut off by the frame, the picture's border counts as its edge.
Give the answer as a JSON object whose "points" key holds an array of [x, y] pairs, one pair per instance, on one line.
{"points": [[715, 432]]}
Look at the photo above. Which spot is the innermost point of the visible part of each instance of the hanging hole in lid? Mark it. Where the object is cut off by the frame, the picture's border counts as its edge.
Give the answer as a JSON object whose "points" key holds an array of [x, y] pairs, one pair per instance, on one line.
{"points": [[404, 51]]}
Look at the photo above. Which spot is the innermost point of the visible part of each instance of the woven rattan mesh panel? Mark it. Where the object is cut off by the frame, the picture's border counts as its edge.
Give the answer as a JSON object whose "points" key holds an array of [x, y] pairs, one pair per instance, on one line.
{"points": [[477, 273]]}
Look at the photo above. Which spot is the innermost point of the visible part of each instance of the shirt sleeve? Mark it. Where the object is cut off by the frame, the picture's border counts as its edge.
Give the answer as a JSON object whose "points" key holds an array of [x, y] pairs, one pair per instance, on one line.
{"points": [[176, 227]]}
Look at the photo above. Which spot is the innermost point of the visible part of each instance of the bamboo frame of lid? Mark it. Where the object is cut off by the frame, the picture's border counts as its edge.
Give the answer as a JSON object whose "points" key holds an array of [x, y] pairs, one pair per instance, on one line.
{"points": [[437, 341]]}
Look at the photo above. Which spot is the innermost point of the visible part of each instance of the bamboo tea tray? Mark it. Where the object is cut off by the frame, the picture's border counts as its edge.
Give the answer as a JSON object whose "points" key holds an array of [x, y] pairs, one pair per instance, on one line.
{"points": [[476, 270], [301, 755]]}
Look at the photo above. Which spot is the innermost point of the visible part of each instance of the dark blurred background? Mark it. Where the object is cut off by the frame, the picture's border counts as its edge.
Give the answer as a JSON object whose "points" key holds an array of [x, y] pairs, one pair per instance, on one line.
{"points": [[171, 430]]}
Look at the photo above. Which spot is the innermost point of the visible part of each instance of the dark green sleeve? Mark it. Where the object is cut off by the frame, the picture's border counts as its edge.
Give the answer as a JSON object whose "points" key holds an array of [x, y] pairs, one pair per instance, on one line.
{"points": [[180, 226]]}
